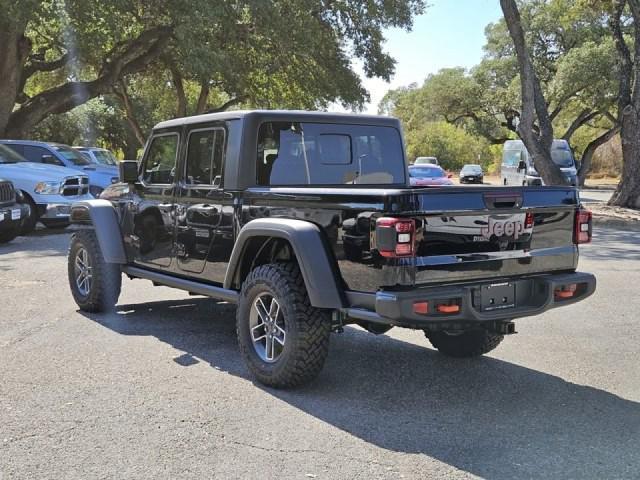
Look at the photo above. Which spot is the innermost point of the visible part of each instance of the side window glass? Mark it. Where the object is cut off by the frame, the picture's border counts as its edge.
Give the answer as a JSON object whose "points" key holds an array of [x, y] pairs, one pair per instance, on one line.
{"points": [[160, 162], [205, 156], [36, 154]]}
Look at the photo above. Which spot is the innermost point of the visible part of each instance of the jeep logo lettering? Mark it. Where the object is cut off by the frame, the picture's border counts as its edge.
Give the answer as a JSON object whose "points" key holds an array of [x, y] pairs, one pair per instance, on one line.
{"points": [[513, 227]]}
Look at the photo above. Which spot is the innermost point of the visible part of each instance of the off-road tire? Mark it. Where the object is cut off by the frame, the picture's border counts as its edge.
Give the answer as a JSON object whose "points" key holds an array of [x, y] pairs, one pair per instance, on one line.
{"points": [[29, 223], [106, 278], [471, 343], [307, 328]]}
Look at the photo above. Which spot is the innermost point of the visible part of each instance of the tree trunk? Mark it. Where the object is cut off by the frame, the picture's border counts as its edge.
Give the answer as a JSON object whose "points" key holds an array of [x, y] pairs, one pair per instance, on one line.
{"points": [[176, 78], [627, 193], [14, 49], [201, 106], [538, 139], [123, 95], [587, 156]]}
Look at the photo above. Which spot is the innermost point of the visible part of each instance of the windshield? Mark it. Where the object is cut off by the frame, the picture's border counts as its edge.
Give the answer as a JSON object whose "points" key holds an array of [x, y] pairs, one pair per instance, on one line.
{"points": [[71, 155], [9, 156], [426, 172], [562, 158], [104, 157], [472, 169]]}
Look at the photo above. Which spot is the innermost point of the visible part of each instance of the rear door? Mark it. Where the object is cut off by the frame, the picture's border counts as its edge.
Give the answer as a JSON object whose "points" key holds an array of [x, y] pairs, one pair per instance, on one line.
{"points": [[204, 212], [153, 218]]}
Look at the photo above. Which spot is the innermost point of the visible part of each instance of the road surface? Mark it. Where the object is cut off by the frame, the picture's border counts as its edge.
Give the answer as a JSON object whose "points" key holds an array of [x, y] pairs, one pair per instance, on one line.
{"points": [[158, 390]]}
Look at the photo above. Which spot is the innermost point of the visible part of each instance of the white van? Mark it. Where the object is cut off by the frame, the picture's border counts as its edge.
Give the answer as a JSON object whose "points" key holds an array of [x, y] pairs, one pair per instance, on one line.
{"points": [[517, 164]]}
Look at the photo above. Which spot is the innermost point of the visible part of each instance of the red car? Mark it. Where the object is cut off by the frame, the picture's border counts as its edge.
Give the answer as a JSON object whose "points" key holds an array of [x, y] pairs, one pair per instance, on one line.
{"points": [[428, 175]]}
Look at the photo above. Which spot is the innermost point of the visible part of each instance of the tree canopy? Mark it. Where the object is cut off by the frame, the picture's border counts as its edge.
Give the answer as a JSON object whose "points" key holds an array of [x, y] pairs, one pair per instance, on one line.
{"points": [[58, 54], [574, 57]]}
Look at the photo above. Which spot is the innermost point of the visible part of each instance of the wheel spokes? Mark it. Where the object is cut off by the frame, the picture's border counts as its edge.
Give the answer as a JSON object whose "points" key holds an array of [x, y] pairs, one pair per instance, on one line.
{"points": [[83, 271], [268, 337]]}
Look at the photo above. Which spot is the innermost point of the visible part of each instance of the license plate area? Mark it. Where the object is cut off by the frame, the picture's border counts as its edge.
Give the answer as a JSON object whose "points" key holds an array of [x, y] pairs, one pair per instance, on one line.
{"points": [[497, 296]]}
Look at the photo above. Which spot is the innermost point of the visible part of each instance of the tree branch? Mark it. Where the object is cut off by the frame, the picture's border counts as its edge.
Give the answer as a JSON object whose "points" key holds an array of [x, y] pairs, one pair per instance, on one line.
{"points": [[122, 60], [120, 91], [178, 83], [587, 156], [227, 105], [584, 117]]}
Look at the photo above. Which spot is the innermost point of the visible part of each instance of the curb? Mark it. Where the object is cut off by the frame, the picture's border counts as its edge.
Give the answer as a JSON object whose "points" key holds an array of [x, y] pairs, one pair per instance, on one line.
{"points": [[605, 221], [599, 187]]}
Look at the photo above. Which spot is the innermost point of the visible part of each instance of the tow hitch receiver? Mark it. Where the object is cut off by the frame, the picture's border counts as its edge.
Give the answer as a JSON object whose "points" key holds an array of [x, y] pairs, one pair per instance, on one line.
{"points": [[505, 328]]}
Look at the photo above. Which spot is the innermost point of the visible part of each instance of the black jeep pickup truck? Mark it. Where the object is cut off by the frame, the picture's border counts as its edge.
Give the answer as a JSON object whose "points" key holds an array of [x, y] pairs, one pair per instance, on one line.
{"points": [[307, 222], [13, 211]]}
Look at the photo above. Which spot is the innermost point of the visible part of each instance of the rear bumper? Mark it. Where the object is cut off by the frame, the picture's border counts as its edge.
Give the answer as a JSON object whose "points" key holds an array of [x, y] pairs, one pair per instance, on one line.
{"points": [[534, 295]]}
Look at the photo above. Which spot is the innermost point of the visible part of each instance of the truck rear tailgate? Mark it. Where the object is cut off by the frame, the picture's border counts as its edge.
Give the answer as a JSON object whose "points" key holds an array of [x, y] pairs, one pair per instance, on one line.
{"points": [[464, 234]]}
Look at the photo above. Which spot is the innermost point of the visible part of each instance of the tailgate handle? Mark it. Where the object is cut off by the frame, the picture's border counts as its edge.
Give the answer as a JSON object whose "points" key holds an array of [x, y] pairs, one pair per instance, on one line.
{"points": [[503, 200]]}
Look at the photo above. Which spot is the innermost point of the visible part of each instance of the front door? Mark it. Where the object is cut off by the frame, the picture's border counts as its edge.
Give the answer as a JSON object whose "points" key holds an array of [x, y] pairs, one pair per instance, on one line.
{"points": [[204, 212], [153, 218]]}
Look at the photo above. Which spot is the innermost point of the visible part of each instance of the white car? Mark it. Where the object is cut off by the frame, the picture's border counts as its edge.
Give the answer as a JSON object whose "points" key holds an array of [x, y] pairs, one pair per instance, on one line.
{"points": [[426, 160], [97, 155], [48, 190]]}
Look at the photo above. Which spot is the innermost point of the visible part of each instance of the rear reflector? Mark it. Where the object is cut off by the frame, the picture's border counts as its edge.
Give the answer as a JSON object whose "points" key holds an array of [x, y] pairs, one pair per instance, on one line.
{"points": [[566, 291], [421, 307], [448, 308], [583, 226]]}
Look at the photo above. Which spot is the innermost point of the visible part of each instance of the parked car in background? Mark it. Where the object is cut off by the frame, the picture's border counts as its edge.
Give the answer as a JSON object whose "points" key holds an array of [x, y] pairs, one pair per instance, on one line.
{"points": [[428, 175], [12, 211], [518, 169], [100, 176], [47, 190], [97, 155], [471, 173], [426, 161]]}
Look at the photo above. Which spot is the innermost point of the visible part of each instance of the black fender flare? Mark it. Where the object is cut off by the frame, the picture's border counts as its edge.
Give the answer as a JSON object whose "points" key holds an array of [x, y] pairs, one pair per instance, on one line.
{"points": [[102, 215], [316, 264]]}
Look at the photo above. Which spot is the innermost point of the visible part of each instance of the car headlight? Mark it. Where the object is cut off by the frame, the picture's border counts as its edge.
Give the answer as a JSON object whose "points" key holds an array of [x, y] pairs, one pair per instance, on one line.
{"points": [[47, 188], [19, 196]]}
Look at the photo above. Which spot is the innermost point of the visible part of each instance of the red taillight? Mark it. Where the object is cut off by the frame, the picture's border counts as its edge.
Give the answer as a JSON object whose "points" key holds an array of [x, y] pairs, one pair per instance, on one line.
{"points": [[395, 237], [583, 226], [528, 221]]}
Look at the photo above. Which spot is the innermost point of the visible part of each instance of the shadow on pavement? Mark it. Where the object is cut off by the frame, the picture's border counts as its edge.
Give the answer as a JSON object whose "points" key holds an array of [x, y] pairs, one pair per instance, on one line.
{"points": [[611, 244], [489, 417]]}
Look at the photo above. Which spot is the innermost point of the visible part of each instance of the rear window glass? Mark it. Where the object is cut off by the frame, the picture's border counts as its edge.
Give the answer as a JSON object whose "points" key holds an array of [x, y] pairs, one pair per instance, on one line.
{"points": [[426, 172], [292, 153]]}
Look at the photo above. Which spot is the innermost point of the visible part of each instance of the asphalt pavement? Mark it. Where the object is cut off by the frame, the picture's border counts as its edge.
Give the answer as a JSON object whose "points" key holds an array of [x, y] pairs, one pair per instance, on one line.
{"points": [[158, 390]]}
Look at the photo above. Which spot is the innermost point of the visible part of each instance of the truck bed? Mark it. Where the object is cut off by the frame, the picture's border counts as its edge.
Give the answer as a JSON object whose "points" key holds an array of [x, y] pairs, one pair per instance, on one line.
{"points": [[461, 233]]}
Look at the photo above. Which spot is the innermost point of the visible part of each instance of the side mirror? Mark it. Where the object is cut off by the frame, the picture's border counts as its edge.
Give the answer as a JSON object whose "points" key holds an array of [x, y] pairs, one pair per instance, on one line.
{"points": [[128, 171], [449, 175], [49, 160], [522, 165]]}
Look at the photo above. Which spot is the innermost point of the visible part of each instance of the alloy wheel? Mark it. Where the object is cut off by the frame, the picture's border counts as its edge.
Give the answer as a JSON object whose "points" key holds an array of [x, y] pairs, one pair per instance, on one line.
{"points": [[267, 327]]}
